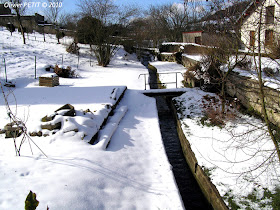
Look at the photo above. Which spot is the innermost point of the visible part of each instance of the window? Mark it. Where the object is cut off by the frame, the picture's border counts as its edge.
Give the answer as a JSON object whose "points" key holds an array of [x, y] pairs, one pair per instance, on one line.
{"points": [[252, 38], [268, 37], [269, 15]]}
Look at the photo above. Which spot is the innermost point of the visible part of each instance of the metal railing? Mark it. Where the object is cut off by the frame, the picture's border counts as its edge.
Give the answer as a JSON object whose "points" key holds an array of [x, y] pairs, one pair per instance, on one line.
{"points": [[161, 83]]}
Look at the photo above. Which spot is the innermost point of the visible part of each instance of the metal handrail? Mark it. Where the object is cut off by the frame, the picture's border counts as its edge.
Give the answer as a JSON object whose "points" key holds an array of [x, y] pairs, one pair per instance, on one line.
{"points": [[176, 72]]}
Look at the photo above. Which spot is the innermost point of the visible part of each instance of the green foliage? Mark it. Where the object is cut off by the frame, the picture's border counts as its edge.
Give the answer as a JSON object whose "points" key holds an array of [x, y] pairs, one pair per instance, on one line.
{"points": [[208, 171], [31, 202], [231, 202], [89, 30], [10, 27], [152, 68], [59, 34], [276, 199]]}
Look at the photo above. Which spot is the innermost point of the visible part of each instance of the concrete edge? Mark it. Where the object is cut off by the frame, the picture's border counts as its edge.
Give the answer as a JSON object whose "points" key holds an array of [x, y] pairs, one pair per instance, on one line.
{"points": [[208, 188]]}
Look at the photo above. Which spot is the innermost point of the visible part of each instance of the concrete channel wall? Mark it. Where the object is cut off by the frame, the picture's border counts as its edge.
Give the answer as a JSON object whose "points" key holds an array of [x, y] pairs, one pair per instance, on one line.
{"points": [[208, 188]]}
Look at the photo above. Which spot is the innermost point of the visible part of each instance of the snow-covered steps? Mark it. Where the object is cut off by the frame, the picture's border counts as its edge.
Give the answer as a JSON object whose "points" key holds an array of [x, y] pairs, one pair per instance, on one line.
{"points": [[107, 132], [115, 98]]}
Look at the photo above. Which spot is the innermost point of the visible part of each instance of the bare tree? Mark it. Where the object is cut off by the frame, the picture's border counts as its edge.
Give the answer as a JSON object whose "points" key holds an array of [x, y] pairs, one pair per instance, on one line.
{"points": [[19, 8], [102, 40], [53, 13]]}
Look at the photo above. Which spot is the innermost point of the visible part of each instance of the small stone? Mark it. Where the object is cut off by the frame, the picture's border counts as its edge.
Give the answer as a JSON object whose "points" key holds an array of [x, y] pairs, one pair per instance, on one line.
{"points": [[48, 118], [2, 131], [70, 113], [51, 127]]}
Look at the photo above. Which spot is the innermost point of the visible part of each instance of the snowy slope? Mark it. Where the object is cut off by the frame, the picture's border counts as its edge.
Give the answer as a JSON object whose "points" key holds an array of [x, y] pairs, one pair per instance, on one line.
{"points": [[133, 173]]}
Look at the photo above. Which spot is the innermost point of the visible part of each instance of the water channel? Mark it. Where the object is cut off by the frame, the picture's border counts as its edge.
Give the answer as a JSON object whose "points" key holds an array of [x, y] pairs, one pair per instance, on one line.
{"points": [[191, 194]]}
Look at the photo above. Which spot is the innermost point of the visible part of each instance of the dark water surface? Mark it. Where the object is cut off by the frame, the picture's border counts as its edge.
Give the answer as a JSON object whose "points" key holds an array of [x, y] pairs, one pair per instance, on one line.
{"points": [[191, 193]]}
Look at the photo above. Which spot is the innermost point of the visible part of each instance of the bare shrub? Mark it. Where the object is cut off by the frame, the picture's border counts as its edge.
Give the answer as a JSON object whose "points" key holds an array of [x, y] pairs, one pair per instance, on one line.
{"points": [[214, 113], [245, 64], [270, 72], [66, 73], [73, 48]]}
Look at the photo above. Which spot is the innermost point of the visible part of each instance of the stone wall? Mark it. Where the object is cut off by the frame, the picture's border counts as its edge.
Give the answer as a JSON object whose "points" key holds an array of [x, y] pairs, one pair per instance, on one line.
{"points": [[246, 90], [208, 188], [170, 57], [187, 62]]}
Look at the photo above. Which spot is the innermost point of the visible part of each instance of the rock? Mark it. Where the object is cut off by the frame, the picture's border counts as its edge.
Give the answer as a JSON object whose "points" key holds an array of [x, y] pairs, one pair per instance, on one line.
{"points": [[51, 127], [70, 113], [39, 133], [75, 130], [14, 129], [32, 134], [48, 118], [9, 84], [36, 134], [88, 111]]}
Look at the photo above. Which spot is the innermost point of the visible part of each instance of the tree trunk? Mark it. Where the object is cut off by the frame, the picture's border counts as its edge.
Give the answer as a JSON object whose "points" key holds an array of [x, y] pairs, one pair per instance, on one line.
{"points": [[20, 26], [262, 94]]}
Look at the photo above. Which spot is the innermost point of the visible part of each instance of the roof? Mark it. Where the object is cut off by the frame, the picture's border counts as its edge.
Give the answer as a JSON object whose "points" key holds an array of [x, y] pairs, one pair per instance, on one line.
{"points": [[192, 32], [249, 10]]}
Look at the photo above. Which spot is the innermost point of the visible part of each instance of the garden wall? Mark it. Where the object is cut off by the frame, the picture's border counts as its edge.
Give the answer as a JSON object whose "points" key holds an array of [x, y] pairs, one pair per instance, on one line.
{"points": [[246, 90], [208, 188]]}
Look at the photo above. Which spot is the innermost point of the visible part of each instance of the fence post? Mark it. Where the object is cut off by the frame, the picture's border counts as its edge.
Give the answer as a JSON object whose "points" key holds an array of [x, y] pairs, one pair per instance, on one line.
{"points": [[145, 81], [4, 60], [78, 60], [176, 80], [35, 68]]}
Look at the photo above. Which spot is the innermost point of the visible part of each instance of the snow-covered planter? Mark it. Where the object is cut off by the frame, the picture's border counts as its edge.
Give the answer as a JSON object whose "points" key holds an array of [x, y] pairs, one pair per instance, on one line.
{"points": [[49, 80]]}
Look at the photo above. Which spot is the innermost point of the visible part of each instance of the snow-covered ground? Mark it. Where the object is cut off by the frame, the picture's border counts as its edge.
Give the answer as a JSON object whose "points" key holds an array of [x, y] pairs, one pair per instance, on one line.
{"points": [[170, 73], [133, 173], [239, 156]]}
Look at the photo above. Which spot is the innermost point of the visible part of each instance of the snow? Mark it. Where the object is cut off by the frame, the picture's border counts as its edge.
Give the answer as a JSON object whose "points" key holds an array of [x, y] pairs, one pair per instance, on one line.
{"points": [[170, 72], [132, 173], [194, 57], [111, 126], [232, 152]]}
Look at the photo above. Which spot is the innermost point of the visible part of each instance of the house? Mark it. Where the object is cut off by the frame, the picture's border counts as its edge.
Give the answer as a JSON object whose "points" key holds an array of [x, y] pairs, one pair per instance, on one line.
{"points": [[30, 22], [264, 14], [193, 37]]}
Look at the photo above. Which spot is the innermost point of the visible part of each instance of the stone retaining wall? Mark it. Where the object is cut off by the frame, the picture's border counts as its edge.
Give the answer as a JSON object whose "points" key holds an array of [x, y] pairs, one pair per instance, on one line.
{"points": [[246, 90], [187, 62], [208, 188]]}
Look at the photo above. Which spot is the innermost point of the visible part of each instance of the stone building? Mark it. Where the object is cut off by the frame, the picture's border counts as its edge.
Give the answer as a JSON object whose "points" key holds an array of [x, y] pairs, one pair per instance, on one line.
{"points": [[268, 11], [30, 22]]}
